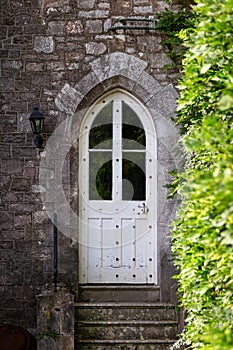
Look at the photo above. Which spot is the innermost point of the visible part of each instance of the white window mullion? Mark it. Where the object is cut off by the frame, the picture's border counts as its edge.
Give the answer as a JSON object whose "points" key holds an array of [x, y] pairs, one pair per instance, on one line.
{"points": [[117, 154]]}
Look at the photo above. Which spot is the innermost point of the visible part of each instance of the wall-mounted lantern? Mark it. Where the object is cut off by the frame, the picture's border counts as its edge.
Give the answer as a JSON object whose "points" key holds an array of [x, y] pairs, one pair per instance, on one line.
{"points": [[37, 123]]}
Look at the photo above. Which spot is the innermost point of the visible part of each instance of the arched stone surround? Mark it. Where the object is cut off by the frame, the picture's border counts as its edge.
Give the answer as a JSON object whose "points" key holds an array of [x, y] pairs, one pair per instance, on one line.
{"points": [[120, 70]]}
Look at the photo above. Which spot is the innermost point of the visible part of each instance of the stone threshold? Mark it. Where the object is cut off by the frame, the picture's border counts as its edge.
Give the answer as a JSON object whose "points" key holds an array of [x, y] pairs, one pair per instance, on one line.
{"points": [[132, 341], [124, 304], [119, 293]]}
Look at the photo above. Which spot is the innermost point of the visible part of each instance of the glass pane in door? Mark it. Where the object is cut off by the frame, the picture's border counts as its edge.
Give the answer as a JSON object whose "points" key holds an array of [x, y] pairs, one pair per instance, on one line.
{"points": [[133, 176], [101, 130], [100, 154], [100, 175], [133, 134]]}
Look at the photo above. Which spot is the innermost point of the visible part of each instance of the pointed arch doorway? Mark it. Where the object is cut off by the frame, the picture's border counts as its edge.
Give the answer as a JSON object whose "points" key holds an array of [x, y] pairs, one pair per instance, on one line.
{"points": [[118, 193]]}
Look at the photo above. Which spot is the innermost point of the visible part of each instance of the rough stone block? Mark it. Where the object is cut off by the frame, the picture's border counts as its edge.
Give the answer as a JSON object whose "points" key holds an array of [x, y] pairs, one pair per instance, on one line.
{"points": [[56, 28], [143, 10], [9, 197], [39, 217], [5, 182], [23, 42], [73, 66], [68, 99], [57, 66], [23, 124], [87, 83], [107, 25], [23, 152], [13, 65], [122, 7], [40, 80], [38, 189], [6, 245], [141, 2], [23, 220], [8, 122], [148, 83], [166, 100], [43, 44], [118, 63], [2, 280], [34, 29], [104, 5], [7, 84], [95, 49], [94, 26], [75, 56], [5, 151], [20, 184], [87, 4], [24, 207], [14, 54], [56, 315], [94, 14], [12, 166], [159, 60], [34, 67], [29, 172], [74, 27], [7, 220], [161, 5], [53, 7]]}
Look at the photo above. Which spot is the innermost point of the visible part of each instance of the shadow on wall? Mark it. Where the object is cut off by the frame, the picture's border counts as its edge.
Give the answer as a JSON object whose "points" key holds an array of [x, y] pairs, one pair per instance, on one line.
{"points": [[16, 338]]}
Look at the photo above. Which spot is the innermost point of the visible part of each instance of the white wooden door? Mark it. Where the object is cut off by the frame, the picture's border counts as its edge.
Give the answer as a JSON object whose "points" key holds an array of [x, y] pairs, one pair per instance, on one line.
{"points": [[118, 193]]}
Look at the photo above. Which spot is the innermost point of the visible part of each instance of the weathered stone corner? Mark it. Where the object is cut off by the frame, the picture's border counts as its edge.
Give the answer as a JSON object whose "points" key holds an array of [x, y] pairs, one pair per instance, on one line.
{"points": [[55, 321]]}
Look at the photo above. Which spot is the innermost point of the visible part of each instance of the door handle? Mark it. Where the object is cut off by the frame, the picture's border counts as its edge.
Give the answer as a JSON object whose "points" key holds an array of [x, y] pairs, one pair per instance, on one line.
{"points": [[144, 208]]}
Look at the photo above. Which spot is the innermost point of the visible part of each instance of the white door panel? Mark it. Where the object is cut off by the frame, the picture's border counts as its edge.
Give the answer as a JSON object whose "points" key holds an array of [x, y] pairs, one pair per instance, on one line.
{"points": [[118, 193]]}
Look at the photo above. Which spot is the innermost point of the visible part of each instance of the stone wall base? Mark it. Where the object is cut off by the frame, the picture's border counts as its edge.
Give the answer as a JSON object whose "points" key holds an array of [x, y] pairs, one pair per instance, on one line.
{"points": [[55, 321]]}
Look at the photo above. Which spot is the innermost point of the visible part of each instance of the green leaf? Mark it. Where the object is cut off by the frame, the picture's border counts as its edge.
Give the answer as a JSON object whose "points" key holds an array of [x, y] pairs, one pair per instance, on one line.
{"points": [[205, 68]]}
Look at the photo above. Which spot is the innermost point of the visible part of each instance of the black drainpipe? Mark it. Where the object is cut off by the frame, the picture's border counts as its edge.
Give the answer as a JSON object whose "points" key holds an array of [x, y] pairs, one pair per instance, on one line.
{"points": [[55, 255]]}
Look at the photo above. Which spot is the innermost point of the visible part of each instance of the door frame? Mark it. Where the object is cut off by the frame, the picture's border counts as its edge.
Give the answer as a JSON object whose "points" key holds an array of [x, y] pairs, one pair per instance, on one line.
{"points": [[83, 185]]}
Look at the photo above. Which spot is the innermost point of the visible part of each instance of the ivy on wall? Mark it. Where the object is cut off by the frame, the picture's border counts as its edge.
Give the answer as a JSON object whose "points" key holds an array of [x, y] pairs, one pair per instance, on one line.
{"points": [[171, 24], [203, 230]]}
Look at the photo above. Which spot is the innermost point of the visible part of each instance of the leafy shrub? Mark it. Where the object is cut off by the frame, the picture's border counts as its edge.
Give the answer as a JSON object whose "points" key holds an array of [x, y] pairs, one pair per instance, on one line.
{"points": [[203, 230]]}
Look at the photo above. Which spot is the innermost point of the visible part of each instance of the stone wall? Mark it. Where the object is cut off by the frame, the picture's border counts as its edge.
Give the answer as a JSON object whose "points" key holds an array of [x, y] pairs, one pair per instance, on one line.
{"points": [[50, 55], [55, 321]]}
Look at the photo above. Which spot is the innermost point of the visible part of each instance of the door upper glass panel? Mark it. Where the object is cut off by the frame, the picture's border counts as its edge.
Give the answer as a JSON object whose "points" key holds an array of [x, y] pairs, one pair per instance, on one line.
{"points": [[133, 176], [101, 129], [100, 175], [117, 154], [133, 134]]}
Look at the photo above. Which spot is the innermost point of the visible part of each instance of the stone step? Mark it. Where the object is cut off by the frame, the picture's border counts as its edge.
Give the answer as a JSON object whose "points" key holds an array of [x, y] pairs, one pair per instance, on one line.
{"points": [[90, 344], [125, 325], [119, 293], [125, 311], [126, 330]]}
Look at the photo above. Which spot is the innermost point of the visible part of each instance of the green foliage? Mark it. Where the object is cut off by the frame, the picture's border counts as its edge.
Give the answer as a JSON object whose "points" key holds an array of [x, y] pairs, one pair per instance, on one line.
{"points": [[203, 230], [208, 78], [171, 23], [48, 334], [203, 233]]}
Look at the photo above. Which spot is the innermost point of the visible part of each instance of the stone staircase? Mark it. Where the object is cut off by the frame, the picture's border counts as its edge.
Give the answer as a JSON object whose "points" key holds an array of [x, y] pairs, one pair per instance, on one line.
{"points": [[124, 325]]}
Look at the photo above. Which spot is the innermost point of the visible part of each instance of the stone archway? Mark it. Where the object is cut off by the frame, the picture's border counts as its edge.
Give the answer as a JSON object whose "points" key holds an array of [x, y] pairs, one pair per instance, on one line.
{"points": [[129, 72]]}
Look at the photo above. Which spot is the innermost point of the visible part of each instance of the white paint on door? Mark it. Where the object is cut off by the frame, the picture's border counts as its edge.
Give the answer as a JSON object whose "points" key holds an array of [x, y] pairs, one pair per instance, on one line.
{"points": [[118, 191]]}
